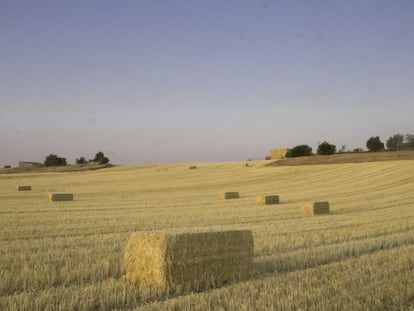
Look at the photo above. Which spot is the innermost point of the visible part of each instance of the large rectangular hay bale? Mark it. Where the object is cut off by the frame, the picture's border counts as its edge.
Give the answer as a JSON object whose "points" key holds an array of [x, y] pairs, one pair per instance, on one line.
{"points": [[24, 188], [229, 195], [267, 199], [189, 261], [315, 208], [60, 197]]}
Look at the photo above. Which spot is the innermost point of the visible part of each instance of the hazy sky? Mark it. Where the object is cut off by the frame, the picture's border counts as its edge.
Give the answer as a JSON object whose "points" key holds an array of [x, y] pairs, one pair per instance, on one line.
{"points": [[214, 80]]}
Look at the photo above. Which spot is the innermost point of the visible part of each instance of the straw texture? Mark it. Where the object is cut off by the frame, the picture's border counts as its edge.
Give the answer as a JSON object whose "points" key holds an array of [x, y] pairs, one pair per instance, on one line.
{"points": [[267, 199], [24, 188], [189, 261], [60, 197], [315, 208], [229, 195]]}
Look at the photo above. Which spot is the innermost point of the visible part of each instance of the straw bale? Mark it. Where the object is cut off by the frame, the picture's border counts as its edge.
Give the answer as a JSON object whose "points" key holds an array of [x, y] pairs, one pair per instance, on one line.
{"points": [[188, 261], [24, 188], [315, 208], [229, 195], [267, 199], [278, 153], [60, 197]]}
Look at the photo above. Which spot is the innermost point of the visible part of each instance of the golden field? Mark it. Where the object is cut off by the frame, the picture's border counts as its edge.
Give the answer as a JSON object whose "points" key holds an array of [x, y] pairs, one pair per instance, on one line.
{"points": [[70, 255]]}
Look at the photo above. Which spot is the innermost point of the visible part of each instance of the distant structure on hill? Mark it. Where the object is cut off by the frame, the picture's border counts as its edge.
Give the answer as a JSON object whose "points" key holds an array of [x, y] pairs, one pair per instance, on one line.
{"points": [[277, 154], [25, 164]]}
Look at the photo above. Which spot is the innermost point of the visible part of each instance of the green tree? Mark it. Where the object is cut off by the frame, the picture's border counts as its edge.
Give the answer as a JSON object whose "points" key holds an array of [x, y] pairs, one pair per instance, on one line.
{"points": [[81, 160], [54, 160], [375, 144], [100, 158], [299, 151], [395, 142], [409, 141], [326, 148]]}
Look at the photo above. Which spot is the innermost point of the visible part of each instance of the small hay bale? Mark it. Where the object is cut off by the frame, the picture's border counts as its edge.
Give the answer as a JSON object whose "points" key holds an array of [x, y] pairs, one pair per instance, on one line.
{"points": [[192, 167], [315, 208], [229, 195], [60, 197], [177, 262], [267, 199], [24, 188]]}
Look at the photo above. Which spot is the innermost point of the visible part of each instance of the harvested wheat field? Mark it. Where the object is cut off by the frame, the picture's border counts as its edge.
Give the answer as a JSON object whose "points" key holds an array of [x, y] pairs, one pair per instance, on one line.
{"points": [[70, 256]]}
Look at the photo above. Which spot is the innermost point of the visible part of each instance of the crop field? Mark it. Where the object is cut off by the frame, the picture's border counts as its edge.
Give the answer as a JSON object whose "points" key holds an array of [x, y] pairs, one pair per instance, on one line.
{"points": [[70, 255]]}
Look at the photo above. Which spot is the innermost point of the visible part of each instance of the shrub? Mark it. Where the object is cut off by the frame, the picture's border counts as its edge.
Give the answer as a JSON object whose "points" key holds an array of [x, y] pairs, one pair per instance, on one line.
{"points": [[375, 144], [409, 142], [100, 158], [54, 160], [81, 160], [395, 142], [299, 151], [326, 148]]}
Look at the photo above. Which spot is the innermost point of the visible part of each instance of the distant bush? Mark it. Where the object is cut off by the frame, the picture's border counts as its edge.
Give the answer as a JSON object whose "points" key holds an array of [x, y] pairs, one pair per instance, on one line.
{"points": [[100, 158], [326, 148], [81, 160], [358, 150], [299, 151], [409, 142], [375, 144], [54, 160], [7, 166]]}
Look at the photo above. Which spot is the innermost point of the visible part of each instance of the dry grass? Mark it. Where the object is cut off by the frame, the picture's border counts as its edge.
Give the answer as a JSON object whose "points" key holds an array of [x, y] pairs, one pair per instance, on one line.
{"points": [[70, 256], [359, 157], [53, 169], [193, 260]]}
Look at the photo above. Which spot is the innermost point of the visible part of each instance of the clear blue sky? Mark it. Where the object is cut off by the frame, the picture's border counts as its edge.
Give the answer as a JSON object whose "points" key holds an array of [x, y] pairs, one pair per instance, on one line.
{"points": [[181, 81]]}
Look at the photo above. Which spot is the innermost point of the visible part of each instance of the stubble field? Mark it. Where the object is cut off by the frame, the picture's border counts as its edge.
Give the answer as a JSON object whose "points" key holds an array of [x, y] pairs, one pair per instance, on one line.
{"points": [[69, 255]]}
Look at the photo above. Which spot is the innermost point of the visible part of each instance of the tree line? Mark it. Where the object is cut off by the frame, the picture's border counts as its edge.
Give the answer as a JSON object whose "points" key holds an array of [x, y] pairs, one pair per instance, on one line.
{"points": [[373, 144], [55, 160]]}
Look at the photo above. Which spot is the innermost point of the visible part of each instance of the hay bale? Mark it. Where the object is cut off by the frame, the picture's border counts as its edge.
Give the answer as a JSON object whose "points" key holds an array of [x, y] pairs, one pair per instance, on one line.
{"points": [[60, 197], [229, 195], [315, 208], [192, 167], [176, 262], [24, 188], [267, 199]]}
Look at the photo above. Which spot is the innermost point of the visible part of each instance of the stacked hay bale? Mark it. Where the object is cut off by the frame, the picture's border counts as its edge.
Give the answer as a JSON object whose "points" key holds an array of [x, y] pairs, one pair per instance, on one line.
{"points": [[229, 195], [183, 261], [315, 208], [24, 188], [60, 197], [267, 199]]}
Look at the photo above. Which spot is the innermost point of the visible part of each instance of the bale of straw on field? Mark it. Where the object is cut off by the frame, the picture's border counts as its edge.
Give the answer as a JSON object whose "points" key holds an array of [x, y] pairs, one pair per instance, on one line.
{"points": [[315, 208], [176, 262], [60, 197], [267, 199], [24, 188], [192, 167], [229, 195]]}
